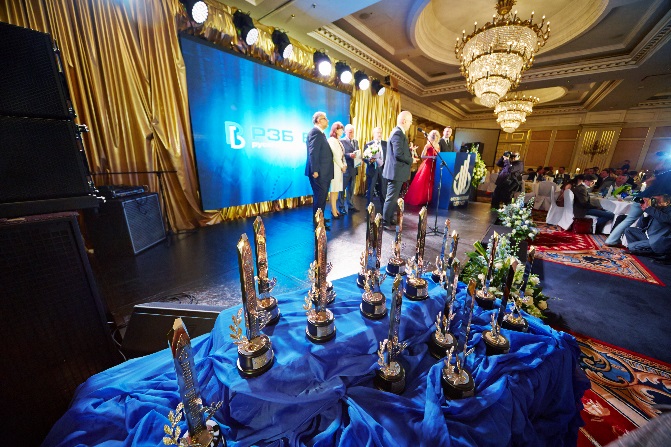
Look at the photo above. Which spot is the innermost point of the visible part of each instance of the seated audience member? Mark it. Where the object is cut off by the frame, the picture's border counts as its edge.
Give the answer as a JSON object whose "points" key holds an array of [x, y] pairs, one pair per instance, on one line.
{"points": [[562, 177], [538, 175], [616, 183], [564, 187], [603, 175], [584, 206], [625, 166], [631, 175], [654, 237]]}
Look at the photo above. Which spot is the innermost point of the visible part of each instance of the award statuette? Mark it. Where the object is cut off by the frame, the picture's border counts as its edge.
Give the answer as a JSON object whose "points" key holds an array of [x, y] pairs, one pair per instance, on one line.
{"points": [[267, 303], [456, 380], [442, 340], [396, 265], [515, 321], [483, 297], [361, 279], [201, 431], [391, 375], [330, 292], [321, 323], [495, 342], [255, 350], [417, 288], [440, 267], [373, 302]]}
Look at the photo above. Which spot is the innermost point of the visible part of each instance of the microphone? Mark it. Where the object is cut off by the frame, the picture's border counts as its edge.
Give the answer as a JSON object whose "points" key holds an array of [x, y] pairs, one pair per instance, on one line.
{"points": [[422, 130]]}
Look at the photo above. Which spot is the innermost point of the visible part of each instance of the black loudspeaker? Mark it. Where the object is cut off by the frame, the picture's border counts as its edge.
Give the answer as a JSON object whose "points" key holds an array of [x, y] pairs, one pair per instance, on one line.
{"points": [[126, 226], [52, 323], [503, 230], [30, 82], [149, 324]]}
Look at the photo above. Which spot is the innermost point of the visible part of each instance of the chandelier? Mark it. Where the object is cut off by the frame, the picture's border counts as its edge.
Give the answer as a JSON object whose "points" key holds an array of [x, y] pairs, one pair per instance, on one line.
{"points": [[494, 56], [513, 111], [597, 148]]}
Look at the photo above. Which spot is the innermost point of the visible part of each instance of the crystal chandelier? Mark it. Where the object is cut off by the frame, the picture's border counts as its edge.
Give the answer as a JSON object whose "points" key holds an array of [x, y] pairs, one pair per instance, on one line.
{"points": [[513, 111], [494, 56]]}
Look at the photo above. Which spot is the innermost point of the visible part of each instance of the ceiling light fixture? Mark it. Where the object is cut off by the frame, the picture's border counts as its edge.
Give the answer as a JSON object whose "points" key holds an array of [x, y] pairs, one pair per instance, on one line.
{"points": [[493, 57], [512, 111], [377, 87], [244, 23], [322, 62], [283, 44], [343, 72], [361, 80], [197, 10]]}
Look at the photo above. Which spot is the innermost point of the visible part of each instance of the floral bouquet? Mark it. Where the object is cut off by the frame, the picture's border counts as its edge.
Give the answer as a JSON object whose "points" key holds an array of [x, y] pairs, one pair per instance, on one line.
{"points": [[371, 151], [622, 191], [517, 216], [479, 170]]}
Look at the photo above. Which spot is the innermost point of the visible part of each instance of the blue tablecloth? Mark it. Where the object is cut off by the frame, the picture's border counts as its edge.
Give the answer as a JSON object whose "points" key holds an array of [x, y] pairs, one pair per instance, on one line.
{"points": [[323, 395]]}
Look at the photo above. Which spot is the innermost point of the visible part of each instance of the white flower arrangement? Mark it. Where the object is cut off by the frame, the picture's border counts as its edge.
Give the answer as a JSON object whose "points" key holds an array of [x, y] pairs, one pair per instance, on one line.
{"points": [[372, 150], [517, 216]]}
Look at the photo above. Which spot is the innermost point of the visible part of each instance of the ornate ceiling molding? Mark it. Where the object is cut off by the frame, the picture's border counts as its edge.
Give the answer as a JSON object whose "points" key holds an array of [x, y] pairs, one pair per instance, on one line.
{"points": [[601, 92], [653, 41], [359, 25]]}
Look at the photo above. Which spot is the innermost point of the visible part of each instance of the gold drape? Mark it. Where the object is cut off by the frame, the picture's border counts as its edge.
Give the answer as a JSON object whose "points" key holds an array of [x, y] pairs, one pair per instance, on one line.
{"points": [[369, 111]]}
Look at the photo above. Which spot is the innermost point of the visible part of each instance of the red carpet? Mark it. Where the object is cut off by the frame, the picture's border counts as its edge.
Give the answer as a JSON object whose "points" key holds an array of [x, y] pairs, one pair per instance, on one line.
{"points": [[552, 238]]}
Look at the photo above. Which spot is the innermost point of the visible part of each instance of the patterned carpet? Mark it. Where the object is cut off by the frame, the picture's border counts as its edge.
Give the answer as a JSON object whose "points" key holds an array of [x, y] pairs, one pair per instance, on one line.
{"points": [[625, 387]]}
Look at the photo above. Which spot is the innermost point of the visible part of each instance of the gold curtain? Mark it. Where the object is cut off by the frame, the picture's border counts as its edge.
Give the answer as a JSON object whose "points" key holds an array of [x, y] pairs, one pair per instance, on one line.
{"points": [[369, 111]]}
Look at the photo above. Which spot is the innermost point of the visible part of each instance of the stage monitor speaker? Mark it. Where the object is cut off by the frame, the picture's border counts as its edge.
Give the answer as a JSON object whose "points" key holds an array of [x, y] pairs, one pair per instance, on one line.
{"points": [[149, 324], [127, 225], [503, 230], [52, 323], [30, 82]]}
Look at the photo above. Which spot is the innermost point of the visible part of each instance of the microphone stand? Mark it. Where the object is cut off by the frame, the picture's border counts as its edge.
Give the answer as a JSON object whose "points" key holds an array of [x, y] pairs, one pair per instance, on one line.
{"points": [[435, 231]]}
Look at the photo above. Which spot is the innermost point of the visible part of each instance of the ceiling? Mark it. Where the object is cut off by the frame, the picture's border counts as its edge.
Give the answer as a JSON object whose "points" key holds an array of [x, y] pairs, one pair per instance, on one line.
{"points": [[601, 55]]}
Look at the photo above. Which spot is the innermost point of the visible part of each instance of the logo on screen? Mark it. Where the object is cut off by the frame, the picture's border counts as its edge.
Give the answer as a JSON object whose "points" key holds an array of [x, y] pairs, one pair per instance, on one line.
{"points": [[463, 179], [234, 136]]}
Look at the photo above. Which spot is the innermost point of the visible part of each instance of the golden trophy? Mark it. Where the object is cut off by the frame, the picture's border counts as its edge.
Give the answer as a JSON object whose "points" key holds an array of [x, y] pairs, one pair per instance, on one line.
{"points": [[267, 302], [373, 302], [391, 375], [483, 297], [417, 288], [396, 264], [320, 321]]}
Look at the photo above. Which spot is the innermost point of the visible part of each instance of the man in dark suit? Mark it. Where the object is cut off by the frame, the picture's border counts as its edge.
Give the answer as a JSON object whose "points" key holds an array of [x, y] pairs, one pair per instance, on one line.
{"points": [[654, 239], [351, 147], [374, 166], [583, 205], [445, 143], [561, 177], [397, 165], [319, 165]]}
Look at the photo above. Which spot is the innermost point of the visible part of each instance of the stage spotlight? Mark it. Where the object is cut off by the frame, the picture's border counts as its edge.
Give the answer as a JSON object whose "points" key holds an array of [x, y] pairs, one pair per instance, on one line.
{"points": [[322, 62], [343, 72], [377, 87], [244, 23], [197, 10], [283, 44], [361, 80]]}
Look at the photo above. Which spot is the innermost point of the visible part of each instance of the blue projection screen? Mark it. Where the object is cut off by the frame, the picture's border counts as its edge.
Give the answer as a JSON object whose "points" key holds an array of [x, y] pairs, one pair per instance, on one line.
{"points": [[249, 124]]}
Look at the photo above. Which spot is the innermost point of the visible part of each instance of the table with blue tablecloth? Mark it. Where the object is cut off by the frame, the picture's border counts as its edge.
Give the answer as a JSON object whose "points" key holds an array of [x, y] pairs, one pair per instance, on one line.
{"points": [[323, 395]]}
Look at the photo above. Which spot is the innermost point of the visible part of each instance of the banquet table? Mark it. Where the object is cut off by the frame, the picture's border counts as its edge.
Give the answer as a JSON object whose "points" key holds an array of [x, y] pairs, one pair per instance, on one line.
{"points": [[323, 395], [616, 206]]}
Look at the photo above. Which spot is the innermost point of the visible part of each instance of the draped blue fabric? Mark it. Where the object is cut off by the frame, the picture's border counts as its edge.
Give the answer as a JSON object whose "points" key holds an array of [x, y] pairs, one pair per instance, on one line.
{"points": [[323, 395]]}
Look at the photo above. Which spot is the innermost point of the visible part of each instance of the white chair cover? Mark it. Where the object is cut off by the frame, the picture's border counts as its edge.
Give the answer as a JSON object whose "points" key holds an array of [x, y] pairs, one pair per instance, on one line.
{"points": [[555, 212], [567, 216], [543, 201]]}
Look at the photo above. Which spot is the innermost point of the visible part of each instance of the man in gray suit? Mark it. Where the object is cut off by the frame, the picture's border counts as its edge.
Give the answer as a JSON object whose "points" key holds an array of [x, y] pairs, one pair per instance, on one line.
{"points": [[445, 143], [351, 147], [319, 165], [396, 167]]}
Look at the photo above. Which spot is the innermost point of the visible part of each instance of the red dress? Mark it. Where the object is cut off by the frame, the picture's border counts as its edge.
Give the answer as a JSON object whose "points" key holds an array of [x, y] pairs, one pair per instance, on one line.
{"points": [[421, 188]]}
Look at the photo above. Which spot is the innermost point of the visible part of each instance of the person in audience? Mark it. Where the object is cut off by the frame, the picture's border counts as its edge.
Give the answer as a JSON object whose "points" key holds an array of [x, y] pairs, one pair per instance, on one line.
{"points": [[603, 175], [421, 188], [446, 145], [614, 182], [339, 165], [319, 164], [351, 148], [509, 180], [569, 184], [538, 175], [562, 177], [397, 165], [625, 165], [631, 175], [583, 204], [374, 166], [653, 238]]}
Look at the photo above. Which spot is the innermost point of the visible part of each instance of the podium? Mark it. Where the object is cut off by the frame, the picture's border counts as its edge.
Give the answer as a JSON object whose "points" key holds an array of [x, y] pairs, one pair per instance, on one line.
{"points": [[455, 185]]}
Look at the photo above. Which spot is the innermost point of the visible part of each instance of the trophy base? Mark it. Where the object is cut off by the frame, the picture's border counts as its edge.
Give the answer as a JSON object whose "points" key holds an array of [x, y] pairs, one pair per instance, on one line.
{"points": [[519, 324], [485, 300], [438, 348], [373, 305], [270, 305], [255, 357], [321, 326], [390, 383], [416, 289], [396, 267], [462, 387], [361, 280], [495, 345]]}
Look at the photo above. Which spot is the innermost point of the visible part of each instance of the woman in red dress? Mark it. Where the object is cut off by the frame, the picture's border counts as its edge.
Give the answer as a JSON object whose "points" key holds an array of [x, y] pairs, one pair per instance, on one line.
{"points": [[421, 188]]}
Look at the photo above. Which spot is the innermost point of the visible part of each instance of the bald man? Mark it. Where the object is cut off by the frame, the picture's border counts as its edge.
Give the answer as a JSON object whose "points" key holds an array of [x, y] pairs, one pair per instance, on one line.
{"points": [[397, 165]]}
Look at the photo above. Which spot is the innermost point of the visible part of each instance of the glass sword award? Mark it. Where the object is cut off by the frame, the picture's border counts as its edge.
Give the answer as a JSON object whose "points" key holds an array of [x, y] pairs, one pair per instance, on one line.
{"points": [[361, 278], [391, 375], [436, 275], [514, 320], [396, 264], [442, 340], [417, 288], [483, 297], [373, 302], [267, 302], [456, 379], [320, 321], [330, 291], [255, 350], [202, 430]]}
